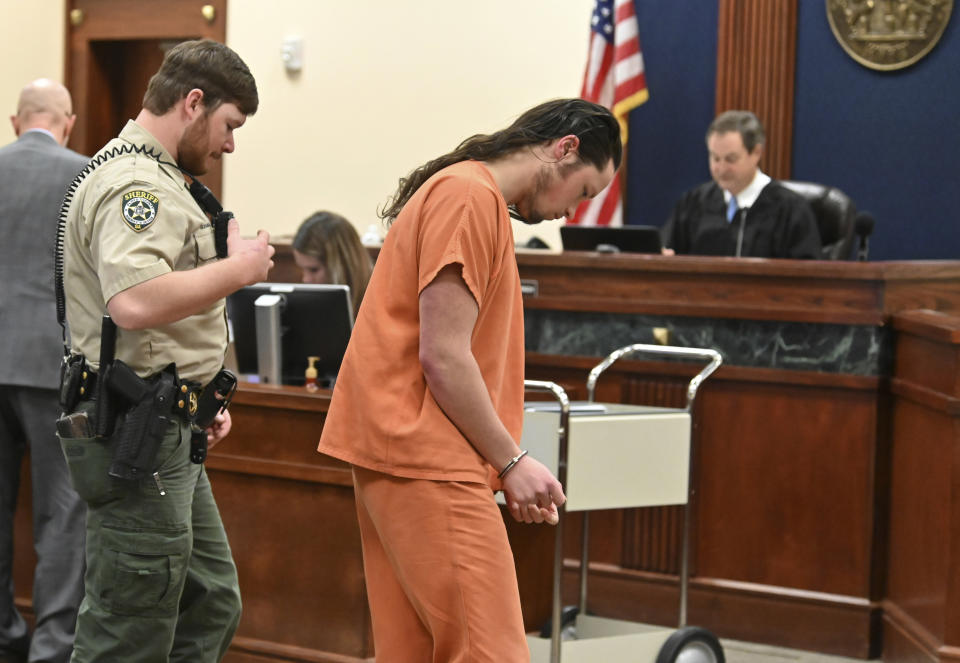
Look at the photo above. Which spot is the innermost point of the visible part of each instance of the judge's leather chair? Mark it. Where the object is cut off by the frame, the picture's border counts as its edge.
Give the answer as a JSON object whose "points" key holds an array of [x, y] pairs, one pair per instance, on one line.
{"points": [[834, 212]]}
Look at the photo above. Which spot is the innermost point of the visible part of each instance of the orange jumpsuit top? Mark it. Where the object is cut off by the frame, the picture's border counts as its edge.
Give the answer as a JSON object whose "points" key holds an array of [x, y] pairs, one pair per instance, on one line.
{"points": [[382, 415]]}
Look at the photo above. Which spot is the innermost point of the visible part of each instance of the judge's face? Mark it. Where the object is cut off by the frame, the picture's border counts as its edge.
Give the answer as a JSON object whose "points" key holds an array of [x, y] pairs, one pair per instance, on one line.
{"points": [[731, 166]]}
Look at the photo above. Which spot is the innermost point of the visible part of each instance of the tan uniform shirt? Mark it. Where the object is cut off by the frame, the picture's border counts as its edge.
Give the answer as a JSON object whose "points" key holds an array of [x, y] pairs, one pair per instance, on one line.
{"points": [[133, 219]]}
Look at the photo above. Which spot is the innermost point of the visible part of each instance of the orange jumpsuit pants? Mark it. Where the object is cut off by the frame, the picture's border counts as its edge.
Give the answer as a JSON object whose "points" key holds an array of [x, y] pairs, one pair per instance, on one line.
{"points": [[440, 575]]}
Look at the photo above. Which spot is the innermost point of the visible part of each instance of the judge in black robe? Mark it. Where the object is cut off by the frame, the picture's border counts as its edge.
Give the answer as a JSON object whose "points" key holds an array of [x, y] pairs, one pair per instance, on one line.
{"points": [[779, 224]]}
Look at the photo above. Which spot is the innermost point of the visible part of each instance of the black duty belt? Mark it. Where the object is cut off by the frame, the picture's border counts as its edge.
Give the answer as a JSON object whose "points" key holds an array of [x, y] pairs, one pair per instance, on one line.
{"points": [[184, 406]]}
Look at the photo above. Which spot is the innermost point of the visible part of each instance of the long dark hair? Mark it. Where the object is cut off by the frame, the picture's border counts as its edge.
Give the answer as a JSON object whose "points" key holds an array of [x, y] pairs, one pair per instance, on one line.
{"points": [[594, 125], [333, 240]]}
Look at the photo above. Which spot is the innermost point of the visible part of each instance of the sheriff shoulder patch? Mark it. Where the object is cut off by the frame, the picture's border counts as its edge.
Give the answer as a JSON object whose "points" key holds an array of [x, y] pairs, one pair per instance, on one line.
{"points": [[139, 209]]}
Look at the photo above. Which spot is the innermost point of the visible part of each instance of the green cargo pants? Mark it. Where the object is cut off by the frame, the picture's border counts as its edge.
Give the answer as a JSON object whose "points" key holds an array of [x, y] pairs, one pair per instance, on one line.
{"points": [[161, 584]]}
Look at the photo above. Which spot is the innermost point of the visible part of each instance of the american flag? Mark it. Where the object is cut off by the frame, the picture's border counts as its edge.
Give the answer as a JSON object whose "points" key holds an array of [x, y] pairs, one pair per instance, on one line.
{"points": [[613, 78]]}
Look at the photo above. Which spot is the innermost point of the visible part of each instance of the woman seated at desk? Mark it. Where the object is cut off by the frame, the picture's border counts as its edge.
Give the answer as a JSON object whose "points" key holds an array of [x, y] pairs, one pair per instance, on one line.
{"points": [[327, 249]]}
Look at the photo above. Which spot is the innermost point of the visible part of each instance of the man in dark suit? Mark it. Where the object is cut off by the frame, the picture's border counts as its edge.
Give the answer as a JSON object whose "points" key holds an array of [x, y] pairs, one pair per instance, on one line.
{"points": [[35, 172], [741, 211]]}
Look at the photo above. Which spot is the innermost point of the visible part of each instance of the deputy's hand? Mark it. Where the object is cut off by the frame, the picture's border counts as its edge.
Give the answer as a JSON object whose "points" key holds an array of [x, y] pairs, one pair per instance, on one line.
{"points": [[532, 492], [219, 429], [255, 254], [668, 252]]}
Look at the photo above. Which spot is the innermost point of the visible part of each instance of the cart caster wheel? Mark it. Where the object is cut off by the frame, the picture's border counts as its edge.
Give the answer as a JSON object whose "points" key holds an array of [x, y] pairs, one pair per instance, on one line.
{"points": [[691, 644], [568, 618]]}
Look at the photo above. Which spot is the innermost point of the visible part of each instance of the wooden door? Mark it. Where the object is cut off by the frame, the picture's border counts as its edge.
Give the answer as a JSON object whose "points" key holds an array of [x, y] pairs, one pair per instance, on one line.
{"points": [[114, 47]]}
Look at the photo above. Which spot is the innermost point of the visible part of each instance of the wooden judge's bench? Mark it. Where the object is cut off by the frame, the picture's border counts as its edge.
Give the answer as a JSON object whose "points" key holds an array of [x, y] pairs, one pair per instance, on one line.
{"points": [[826, 505]]}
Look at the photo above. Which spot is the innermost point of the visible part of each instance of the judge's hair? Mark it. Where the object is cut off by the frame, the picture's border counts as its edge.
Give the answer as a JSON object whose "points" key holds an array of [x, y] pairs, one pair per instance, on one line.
{"points": [[744, 123], [595, 126]]}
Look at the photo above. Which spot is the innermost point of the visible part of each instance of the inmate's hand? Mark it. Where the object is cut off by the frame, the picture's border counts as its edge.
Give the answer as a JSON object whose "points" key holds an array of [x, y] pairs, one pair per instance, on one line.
{"points": [[255, 255], [532, 492]]}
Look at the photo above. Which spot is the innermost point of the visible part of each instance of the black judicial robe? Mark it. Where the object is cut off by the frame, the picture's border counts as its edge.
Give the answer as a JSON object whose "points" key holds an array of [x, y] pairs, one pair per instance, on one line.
{"points": [[780, 224]]}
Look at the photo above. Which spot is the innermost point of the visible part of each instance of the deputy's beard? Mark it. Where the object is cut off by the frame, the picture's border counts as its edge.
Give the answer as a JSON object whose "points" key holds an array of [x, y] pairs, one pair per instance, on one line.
{"points": [[192, 149]]}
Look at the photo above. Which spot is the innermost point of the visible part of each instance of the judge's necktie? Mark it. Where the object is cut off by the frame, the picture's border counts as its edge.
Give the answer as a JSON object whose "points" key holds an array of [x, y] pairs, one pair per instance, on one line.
{"points": [[732, 209]]}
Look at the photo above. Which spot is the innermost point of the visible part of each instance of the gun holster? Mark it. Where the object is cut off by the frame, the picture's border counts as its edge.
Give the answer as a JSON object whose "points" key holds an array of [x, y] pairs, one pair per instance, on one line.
{"points": [[147, 412], [71, 374]]}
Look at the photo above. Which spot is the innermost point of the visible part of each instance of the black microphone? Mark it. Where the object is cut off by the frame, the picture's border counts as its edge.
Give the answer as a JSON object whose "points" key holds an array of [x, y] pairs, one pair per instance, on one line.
{"points": [[863, 226], [741, 216]]}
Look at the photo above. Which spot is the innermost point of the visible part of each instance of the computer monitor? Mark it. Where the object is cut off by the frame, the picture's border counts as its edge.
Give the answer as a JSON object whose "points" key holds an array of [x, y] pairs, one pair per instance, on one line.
{"points": [[313, 321], [625, 239]]}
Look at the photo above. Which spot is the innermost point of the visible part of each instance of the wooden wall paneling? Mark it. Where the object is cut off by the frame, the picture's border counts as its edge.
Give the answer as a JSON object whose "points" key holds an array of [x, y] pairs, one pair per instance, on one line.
{"points": [[920, 359], [756, 64], [921, 483], [290, 517], [112, 53], [922, 597], [785, 497]]}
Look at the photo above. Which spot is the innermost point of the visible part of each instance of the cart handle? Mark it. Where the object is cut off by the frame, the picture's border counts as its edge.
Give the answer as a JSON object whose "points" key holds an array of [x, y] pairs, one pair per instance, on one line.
{"points": [[561, 396], [690, 353], [563, 436]]}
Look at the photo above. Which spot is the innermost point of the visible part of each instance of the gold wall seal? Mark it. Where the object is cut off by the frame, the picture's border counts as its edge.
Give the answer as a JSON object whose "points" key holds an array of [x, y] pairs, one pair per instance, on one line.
{"points": [[888, 34]]}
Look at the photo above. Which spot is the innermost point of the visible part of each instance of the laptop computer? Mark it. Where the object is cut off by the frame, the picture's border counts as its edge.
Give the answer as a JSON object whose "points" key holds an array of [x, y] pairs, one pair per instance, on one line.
{"points": [[625, 239]]}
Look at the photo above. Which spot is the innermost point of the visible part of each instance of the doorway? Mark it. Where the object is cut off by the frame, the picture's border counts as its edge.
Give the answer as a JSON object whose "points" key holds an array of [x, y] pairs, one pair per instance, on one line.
{"points": [[114, 47]]}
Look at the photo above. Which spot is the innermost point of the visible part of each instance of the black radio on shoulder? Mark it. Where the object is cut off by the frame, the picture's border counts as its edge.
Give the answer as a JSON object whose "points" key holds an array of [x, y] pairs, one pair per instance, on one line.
{"points": [[218, 218]]}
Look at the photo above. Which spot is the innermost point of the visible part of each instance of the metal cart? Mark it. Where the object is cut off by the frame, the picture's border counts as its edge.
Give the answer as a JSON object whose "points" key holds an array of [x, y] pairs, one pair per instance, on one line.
{"points": [[617, 456]]}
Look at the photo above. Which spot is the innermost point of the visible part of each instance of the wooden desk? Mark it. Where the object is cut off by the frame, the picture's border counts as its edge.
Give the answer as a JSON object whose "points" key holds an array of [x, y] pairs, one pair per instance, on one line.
{"points": [[921, 606], [792, 459], [792, 441], [793, 447], [290, 516]]}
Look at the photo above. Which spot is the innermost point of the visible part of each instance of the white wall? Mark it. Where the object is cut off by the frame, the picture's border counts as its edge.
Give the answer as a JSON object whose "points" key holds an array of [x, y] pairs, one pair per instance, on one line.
{"points": [[31, 47], [385, 87]]}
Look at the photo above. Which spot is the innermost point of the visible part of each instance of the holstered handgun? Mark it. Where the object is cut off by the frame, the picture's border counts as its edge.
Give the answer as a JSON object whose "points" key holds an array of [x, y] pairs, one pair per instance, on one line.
{"points": [[141, 428]]}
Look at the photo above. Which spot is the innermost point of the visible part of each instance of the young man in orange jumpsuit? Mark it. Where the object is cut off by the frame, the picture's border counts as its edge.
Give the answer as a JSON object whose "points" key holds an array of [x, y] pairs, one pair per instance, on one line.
{"points": [[428, 406]]}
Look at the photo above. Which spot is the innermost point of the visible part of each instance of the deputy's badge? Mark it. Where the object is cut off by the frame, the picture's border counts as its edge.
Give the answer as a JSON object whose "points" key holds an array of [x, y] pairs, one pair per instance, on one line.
{"points": [[194, 402], [139, 209]]}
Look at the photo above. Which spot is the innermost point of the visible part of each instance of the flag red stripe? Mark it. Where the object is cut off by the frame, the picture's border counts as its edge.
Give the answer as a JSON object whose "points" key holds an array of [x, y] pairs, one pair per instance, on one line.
{"points": [[620, 83], [623, 51], [605, 65], [610, 203]]}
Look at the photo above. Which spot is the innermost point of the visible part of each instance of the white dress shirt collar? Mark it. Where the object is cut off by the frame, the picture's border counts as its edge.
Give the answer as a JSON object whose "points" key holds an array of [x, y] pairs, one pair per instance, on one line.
{"points": [[749, 195], [43, 131]]}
